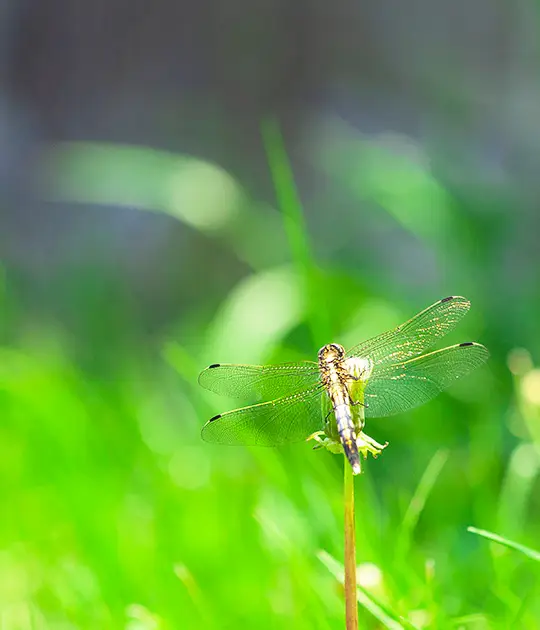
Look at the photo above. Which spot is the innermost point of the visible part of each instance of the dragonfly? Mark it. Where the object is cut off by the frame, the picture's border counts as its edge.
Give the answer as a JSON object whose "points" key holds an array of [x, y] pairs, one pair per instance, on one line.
{"points": [[329, 400]]}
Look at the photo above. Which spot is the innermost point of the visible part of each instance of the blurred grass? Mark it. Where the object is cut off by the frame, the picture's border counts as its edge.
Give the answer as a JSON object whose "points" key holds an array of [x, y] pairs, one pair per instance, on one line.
{"points": [[511, 544], [295, 226], [116, 515]]}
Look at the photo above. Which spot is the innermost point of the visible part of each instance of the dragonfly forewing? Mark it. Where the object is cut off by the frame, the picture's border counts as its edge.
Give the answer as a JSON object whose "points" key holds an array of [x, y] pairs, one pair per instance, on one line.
{"points": [[260, 382], [415, 336]]}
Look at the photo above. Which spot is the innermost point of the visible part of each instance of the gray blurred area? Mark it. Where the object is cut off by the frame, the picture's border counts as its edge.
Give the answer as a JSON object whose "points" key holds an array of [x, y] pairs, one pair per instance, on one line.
{"points": [[458, 79]]}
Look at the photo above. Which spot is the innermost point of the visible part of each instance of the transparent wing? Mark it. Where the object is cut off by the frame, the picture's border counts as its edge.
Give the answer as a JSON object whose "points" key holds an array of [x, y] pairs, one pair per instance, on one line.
{"points": [[397, 388], [416, 335], [260, 382], [288, 419]]}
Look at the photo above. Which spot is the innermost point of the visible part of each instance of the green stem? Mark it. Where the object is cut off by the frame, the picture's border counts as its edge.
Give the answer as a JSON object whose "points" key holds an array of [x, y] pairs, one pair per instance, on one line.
{"points": [[293, 219], [351, 605]]}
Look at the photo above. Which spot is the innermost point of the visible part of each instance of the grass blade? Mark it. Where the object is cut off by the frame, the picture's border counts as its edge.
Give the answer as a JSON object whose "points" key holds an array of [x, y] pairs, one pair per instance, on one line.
{"points": [[530, 553], [293, 219], [419, 498]]}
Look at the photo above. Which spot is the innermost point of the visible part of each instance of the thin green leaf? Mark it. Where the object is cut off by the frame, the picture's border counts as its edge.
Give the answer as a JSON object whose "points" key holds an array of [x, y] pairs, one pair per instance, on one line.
{"points": [[293, 219], [530, 553], [477, 620], [419, 498]]}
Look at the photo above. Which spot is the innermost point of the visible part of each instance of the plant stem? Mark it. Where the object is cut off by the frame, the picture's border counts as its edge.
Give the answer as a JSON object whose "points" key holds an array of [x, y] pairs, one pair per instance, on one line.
{"points": [[295, 225], [351, 604]]}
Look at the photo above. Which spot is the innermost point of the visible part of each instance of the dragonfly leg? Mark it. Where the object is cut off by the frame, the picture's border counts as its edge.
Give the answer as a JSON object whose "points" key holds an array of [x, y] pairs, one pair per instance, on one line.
{"points": [[355, 403], [327, 416], [317, 438], [325, 442]]}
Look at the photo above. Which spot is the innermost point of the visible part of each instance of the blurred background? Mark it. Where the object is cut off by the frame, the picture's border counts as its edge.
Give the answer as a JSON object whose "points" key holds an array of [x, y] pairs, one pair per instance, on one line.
{"points": [[141, 239]]}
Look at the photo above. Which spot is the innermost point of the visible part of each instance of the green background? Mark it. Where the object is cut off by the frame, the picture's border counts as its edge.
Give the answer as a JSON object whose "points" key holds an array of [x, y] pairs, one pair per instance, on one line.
{"points": [[116, 515]]}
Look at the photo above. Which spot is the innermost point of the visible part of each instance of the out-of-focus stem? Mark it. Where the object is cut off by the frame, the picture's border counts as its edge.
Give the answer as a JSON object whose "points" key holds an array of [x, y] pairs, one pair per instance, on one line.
{"points": [[351, 604], [295, 226]]}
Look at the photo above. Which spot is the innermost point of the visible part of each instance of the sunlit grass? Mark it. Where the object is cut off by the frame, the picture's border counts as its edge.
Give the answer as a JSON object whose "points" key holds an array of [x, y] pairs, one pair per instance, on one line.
{"points": [[116, 515], [113, 502]]}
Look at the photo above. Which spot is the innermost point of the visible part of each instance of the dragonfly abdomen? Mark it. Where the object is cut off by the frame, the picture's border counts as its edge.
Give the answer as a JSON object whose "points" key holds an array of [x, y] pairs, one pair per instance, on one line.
{"points": [[347, 434]]}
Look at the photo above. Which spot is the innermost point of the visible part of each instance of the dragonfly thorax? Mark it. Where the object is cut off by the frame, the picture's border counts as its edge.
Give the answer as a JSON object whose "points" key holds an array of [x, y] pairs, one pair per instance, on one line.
{"points": [[331, 352]]}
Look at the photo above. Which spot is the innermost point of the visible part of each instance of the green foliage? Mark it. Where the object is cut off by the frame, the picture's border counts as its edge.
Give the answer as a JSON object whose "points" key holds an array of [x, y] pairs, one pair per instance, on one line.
{"points": [[116, 515]]}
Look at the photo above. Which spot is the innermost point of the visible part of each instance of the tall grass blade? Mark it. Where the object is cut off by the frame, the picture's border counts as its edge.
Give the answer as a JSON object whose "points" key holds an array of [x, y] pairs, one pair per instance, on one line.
{"points": [[530, 553], [419, 498], [295, 226]]}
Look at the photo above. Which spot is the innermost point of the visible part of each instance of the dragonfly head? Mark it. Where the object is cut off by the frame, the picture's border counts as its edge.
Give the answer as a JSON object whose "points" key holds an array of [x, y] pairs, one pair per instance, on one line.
{"points": [[331, 352]]}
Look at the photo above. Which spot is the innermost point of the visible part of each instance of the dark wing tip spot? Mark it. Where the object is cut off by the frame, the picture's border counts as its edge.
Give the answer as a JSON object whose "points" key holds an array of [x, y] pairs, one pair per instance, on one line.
{"points": [[447, 299], [466, 343], [213, 365], [215, 418]]}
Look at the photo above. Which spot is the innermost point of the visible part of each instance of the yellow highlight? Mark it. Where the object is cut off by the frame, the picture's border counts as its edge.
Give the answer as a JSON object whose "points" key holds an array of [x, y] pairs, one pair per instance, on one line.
{"points": [[530, 387]]}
